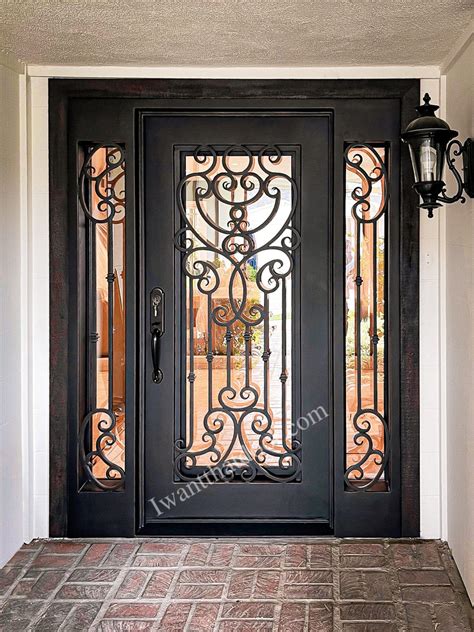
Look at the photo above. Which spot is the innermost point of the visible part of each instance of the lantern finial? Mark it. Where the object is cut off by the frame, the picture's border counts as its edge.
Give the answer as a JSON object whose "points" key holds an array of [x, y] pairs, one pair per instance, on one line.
{"points": [[427, 109]]}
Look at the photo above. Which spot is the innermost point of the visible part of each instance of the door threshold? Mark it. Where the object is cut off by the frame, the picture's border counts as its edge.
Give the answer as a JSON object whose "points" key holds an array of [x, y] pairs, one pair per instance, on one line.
{"points": [[207, 529]]}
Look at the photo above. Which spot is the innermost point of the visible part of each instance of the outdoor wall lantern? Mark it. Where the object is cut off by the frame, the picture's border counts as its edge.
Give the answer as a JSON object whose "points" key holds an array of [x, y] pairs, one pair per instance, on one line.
{"points": [[430, 140]]}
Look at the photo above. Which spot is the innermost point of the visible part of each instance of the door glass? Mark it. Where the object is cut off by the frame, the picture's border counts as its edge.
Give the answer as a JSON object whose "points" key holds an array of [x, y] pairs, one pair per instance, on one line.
{"points": [[102, 198], [365, 219], [238, 242]]}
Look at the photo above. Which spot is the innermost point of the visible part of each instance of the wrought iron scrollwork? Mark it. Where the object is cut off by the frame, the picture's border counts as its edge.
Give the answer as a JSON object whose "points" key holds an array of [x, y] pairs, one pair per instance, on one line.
{"points": [[237, 410], [106, 426], [101, 196], [110, 197], [366, 212], [453, 150]]}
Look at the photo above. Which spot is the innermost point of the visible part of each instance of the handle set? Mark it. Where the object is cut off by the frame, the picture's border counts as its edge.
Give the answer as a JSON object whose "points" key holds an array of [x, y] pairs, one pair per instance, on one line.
{"points": [[157, 329]]}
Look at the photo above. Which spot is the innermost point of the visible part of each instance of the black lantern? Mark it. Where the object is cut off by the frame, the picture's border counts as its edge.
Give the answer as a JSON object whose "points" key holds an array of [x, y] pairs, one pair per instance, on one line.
{"points": [[430, 141]]}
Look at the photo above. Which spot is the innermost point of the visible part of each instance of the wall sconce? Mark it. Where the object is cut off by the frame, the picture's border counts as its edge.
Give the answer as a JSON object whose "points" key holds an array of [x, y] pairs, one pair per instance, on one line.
{"points": [[430, 141]]}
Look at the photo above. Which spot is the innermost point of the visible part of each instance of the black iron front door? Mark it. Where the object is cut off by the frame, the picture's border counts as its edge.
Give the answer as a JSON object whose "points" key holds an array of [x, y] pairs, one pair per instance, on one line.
{"points": [[237, 327], [234, 308]]}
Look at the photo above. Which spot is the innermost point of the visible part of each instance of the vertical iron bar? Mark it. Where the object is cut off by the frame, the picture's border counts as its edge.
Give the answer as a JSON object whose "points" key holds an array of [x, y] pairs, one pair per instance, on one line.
{"points": [[110, 294], [247, 355], [228, 338], [374, 298], [266, 351], [210, 354], [357, 316], [283, 363], [191, 362], [93, 341]]}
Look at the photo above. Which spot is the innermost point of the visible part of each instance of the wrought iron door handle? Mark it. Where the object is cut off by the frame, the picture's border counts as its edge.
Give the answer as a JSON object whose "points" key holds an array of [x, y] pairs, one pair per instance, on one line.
{"points": [[157, 329], [155, 356]]}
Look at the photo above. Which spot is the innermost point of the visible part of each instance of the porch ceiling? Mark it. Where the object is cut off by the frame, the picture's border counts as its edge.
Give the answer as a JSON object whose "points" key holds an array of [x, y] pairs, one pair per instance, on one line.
{"points": [[231, 32]]}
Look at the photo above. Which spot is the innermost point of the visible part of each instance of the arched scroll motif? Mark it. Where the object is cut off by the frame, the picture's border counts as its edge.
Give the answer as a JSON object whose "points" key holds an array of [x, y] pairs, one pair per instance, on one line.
{"points": [[101, 197], [238, 242], [367, 430]]}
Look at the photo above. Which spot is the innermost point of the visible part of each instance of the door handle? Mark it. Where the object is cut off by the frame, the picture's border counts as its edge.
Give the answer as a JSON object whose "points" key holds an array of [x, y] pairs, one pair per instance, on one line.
{"points": [[157, 375], [157, 329]]}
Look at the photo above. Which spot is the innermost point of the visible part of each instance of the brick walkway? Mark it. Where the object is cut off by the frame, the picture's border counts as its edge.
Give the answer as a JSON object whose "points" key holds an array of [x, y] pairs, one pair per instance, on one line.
{"points": [[233, 585]]}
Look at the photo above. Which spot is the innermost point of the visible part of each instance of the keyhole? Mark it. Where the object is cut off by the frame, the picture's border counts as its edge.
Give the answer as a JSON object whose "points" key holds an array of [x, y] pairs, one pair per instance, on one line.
{"points": [[156, 303]]}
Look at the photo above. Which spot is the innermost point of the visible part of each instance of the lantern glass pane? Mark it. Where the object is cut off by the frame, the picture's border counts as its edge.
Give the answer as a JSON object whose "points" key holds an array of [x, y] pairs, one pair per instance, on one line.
{"points": [[428, 162], [427, 158]]}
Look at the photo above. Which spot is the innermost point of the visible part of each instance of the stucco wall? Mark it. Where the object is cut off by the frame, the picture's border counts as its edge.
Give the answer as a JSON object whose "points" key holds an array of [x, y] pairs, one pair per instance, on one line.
{"points": [[460, 333], [11, 334]]}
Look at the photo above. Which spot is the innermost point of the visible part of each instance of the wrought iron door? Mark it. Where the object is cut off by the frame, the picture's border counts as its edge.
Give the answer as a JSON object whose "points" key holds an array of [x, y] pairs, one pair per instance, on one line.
{"points": [[228, 319], [237, 397]]}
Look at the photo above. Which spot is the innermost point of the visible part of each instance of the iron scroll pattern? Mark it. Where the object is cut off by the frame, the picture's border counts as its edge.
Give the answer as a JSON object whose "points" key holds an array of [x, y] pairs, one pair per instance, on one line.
{"points": [[245, 408], [367, 214], [101, 196]]}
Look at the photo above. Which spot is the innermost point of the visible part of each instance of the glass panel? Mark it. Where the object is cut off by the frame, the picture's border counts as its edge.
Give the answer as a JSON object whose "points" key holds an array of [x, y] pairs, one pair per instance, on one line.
{"points": [[102, 197], [238, 244], [365, 221]]}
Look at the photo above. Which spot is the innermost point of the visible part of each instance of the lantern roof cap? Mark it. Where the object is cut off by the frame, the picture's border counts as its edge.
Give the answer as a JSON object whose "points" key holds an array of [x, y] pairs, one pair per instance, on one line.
{"points": [[427, 121]]}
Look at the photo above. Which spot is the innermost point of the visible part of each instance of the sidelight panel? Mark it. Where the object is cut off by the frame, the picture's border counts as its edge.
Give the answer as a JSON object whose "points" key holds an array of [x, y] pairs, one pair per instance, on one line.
{"points": [[101, 193], [366, 203], [238, 245]]}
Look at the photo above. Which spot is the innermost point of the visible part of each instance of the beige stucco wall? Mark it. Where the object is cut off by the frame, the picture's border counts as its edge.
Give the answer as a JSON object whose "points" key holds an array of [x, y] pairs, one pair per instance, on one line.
{"points": [[460, 333], [11, 451]]}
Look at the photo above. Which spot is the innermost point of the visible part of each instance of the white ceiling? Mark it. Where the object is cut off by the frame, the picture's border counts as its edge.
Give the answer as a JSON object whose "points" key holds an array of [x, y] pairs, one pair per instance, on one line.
{"points": [[232, 32]]}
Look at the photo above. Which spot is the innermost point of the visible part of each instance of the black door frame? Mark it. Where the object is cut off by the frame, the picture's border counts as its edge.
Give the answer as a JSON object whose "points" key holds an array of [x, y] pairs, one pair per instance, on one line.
{"points": [[173, 93]]}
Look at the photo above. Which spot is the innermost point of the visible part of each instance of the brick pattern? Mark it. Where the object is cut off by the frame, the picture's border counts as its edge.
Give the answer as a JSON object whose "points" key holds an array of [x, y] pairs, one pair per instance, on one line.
{"points": [[219, 585]]}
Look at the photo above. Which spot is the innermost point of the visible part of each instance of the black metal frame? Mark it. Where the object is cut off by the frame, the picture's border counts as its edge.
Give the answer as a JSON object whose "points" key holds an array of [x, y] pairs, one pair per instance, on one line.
{"points": [[67, 272]]}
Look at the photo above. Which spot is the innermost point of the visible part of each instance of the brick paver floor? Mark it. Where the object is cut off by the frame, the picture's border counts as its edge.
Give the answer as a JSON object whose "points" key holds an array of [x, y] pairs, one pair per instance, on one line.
{"points": [[232, 585]]}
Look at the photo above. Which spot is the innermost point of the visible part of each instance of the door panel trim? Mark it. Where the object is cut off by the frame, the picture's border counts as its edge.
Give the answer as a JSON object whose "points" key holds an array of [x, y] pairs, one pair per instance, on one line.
{"points": [[294, 96]]}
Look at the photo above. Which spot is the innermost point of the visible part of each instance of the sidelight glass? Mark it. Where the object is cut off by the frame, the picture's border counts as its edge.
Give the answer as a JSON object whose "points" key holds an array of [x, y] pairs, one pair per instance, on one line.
{"points": [[366, 201], [238, 246], [102, 198]]}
